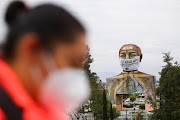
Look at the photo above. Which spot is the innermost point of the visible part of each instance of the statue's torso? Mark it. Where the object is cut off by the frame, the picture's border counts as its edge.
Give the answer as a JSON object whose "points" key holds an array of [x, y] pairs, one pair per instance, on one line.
{"points": [[130, 83]]}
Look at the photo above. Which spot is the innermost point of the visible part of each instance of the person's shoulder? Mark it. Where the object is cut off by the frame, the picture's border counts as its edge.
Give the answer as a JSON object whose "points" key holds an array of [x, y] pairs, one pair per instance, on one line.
{"points": [[2, 116]]}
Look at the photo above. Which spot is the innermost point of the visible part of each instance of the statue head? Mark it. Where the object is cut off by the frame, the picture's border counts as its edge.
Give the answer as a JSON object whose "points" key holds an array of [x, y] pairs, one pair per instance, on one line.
{"points": [[130, 57]]}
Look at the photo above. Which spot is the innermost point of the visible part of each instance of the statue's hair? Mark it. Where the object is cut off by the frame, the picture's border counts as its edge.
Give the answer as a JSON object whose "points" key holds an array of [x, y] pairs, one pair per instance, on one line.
{"points": [[134, 46]]}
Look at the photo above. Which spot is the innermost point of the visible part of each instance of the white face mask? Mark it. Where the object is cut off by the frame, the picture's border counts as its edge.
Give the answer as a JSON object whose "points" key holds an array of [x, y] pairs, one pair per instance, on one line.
{"points": [[130, 64], [65, 90], [68, 88]]}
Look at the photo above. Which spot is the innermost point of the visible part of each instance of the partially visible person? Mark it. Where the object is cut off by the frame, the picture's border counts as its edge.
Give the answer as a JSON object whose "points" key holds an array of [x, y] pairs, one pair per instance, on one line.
{"points": [[41, 68]]}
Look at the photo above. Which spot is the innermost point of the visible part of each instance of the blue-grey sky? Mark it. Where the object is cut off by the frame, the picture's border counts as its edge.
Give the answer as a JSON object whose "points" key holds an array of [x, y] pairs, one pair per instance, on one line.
{"points": [[154, 25]]}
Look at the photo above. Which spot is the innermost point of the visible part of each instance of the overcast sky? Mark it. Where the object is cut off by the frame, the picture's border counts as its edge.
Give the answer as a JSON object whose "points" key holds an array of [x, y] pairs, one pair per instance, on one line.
{"points": [[154, 25]]}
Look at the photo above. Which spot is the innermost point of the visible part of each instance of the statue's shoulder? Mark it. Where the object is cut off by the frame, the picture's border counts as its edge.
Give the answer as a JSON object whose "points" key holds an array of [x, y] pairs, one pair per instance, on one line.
{"points": [[119, 76], [115, 77], [144, 74]]}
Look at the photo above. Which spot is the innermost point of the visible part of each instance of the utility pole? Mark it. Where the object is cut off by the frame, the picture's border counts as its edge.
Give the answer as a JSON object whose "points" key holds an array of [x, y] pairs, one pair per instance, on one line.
{"points": [[134, 114], [126, 114]]}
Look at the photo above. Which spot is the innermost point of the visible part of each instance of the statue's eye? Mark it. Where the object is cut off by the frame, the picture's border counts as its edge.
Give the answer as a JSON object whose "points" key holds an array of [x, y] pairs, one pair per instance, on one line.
{"points": [[122, 55], [132, 55]]}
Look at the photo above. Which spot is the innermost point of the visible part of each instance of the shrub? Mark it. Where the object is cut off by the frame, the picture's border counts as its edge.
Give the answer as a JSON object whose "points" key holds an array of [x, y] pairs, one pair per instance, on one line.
{"points": [[142, 106]]}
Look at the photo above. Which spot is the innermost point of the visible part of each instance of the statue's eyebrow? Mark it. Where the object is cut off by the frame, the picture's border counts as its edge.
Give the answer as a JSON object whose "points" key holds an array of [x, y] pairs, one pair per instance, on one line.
{"points": [[132, 52], [123, 53]]}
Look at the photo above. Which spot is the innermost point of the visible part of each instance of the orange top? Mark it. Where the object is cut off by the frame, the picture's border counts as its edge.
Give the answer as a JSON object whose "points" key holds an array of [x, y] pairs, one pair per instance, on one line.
{"points": [[31, 110]]}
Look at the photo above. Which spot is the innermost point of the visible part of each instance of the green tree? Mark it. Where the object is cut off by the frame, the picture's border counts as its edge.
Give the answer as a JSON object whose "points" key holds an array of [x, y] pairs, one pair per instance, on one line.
{"points": [[142, 106], [168, 107], [111, 112], [96, 102], [87, 65], [96, 98], [116, 113], [132, 98], [104, 106]]}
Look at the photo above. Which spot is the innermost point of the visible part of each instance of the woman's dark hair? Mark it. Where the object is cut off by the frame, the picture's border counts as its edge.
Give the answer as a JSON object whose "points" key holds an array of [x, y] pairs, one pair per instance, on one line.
{"points": [[52, 24]]}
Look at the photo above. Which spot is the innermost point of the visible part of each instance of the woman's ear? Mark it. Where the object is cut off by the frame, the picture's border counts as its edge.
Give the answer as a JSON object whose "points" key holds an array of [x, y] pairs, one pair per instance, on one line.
{"points": [[29, 47], [141, 57]]}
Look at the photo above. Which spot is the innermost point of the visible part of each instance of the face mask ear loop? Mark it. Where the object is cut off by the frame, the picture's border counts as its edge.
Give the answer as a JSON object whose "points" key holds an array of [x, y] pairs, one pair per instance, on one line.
{"points": [[36, 73], [49, 63]]}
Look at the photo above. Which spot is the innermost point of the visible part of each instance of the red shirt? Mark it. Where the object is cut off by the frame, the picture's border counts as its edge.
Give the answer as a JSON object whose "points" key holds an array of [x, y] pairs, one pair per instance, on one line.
{"points": [[13, 87]]}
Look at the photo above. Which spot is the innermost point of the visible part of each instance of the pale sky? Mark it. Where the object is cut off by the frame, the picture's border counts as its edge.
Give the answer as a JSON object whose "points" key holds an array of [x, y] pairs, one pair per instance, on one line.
{"points": [[154, 25]]}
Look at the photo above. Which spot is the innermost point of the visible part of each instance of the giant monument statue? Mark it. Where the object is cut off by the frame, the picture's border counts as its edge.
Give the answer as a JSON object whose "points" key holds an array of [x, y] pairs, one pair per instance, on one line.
{"points": [[130, 80]]}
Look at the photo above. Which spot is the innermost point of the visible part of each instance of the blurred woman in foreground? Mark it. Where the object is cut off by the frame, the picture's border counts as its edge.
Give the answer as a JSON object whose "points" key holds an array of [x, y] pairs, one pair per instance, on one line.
{"points": [[41, 73]]}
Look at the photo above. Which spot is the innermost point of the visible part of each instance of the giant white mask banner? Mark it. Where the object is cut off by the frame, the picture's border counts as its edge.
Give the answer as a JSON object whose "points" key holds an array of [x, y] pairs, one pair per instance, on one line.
{"points": [[130, 64]]}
